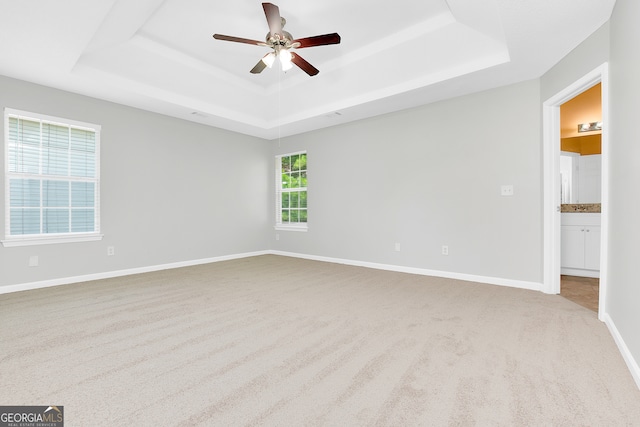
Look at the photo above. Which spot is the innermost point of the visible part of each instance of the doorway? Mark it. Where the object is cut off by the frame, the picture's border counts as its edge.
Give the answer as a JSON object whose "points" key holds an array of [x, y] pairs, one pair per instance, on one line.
{"points": [[581, 197], [552, 183]]}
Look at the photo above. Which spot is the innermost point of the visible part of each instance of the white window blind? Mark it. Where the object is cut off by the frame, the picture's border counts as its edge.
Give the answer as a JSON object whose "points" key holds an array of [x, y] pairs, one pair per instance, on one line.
{"points": [[52, 179], [291, 191]]}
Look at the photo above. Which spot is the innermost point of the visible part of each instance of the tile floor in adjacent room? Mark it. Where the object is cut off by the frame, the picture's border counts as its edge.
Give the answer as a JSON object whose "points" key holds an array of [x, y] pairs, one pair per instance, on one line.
{"points": [[581, 290]]}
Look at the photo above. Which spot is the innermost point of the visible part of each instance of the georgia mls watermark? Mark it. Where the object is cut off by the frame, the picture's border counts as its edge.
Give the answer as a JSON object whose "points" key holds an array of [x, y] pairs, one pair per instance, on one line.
{"points": [[31, 416]]}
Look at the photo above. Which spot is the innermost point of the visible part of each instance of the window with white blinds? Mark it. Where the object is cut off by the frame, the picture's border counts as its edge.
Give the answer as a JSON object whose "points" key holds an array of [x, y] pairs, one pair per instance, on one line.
{"points": [[291, 191], [52, 179]]}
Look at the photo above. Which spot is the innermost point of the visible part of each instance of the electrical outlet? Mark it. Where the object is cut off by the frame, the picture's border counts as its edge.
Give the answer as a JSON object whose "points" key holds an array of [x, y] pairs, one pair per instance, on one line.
{"points": [[33, 261], [397, 247], [445, 250], [506, 190], [277, 237], [111, 251]]}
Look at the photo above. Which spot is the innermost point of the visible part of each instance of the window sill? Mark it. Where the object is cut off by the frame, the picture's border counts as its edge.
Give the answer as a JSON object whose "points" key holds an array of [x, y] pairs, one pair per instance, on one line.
{"points": [[282, 227], [39, 240]]}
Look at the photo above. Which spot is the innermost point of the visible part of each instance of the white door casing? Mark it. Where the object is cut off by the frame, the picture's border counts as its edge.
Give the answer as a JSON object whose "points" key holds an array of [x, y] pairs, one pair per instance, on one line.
{"points": [[551, 172]]}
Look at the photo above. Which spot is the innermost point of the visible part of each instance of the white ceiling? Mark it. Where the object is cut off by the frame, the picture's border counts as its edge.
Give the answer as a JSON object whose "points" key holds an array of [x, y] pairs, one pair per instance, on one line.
{"points": [[159, 55]]}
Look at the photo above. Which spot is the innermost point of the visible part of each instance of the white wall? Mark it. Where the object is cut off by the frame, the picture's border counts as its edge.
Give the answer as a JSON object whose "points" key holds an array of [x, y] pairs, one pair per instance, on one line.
{"points": [[428, 177], [624, 289], [172, 190]]}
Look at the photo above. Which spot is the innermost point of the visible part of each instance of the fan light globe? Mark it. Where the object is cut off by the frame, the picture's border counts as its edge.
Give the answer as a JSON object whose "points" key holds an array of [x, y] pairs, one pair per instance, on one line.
{"points": [[269, 59], [285, 59]]}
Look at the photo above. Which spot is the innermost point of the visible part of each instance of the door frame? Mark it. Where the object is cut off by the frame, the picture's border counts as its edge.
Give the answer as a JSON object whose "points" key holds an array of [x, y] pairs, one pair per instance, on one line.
{"points": [[551, 186]]}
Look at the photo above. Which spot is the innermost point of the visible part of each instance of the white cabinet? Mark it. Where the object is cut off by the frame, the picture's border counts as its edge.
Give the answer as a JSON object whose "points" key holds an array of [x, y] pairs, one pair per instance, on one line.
{"points": [[580, 244]]}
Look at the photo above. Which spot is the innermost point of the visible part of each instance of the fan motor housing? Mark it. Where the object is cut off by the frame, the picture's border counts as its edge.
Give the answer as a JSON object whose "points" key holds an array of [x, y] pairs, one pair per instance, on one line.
{"points": [[284, 42]]}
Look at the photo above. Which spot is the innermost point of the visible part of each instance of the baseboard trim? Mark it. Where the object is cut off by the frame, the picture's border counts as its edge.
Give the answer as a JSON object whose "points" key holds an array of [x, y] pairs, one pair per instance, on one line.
{"points": [[521, 284], [118, 273], [632, 364], [389, 267]]}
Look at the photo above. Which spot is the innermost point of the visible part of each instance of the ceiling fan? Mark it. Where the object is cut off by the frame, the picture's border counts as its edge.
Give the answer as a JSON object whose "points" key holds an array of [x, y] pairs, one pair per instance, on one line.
{"points": [[282, 43]]}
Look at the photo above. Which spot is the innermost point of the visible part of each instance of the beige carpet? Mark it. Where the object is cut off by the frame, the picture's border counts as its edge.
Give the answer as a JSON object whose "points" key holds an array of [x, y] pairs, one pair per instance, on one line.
{"points": [[280, 341]]}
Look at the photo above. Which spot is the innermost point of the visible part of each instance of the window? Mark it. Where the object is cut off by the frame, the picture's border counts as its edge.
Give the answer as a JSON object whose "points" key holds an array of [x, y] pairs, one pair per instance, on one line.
{"points": [[52, 180], [291, 191]]}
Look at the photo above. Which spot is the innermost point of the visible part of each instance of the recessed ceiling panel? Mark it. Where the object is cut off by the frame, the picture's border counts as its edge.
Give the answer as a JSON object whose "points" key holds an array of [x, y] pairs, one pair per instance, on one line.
{"points": [[160, 54]]}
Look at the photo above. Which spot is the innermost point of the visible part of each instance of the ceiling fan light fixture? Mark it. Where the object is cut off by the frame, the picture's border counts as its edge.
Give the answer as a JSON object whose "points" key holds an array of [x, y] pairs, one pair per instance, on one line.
{"points": [[281, 42], [269, 59]]}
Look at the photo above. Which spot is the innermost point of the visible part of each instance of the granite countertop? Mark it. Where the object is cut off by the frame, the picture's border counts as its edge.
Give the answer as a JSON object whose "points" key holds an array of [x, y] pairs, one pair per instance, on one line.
{"points": [[581, 207]]}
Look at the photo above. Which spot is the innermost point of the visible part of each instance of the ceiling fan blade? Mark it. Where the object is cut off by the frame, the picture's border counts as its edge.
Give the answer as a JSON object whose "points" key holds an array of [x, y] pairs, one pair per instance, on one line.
{"points": [[272, 12], [333, 38], [238, 40], [257, 69], [304, 65]]}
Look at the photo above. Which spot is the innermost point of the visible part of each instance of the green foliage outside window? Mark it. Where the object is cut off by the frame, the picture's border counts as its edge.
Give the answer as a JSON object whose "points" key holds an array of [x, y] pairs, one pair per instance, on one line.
{"points": [[294, 188]]}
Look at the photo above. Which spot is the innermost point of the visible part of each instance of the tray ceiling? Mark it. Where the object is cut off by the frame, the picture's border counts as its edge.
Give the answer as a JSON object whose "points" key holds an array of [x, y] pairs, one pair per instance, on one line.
{"points": [[159, 55]]}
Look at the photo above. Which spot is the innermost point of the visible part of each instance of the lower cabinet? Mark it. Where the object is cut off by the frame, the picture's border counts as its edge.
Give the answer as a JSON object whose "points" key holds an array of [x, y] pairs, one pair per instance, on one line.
{"points": [[580, 246]]}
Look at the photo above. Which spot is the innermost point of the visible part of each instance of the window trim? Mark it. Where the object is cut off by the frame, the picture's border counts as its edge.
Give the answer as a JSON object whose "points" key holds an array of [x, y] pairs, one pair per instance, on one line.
{"points": [[293, 227], [51, 238], [280, 226]]}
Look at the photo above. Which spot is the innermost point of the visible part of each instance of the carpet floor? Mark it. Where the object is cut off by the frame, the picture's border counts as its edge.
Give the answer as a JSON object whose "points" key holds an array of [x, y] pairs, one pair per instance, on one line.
{"points": [[280, 341]]}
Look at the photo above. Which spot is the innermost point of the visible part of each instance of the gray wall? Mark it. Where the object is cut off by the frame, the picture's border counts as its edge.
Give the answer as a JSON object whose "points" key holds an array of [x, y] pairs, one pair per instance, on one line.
{"points": [[172, 190], [624, 289], [428, 177]]}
